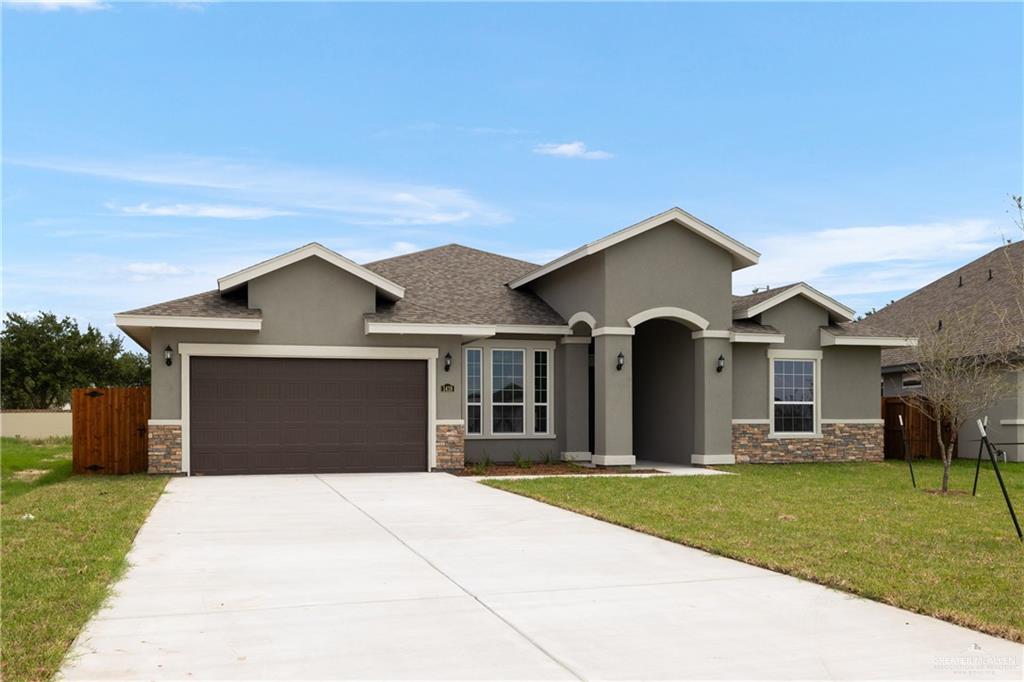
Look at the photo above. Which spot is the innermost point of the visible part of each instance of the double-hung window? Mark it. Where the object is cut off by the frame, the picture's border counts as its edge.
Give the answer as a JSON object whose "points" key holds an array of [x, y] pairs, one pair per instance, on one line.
{"points": [[793, 396], [508, 398], [474, 391], [540, 391]]}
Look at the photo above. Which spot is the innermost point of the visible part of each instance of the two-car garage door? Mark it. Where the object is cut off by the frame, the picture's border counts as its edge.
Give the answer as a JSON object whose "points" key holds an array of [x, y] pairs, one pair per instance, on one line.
{"points": [[287, 415]]}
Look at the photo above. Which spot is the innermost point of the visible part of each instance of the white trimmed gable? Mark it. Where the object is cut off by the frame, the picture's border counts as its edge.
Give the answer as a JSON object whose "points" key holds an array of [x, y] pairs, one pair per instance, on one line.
{"points": [[836, 310], [742, 255], [383, 285]]}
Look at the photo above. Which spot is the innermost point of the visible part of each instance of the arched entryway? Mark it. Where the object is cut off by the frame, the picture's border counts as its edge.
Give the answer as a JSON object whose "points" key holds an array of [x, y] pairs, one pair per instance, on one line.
{"points": [[663, 384]]}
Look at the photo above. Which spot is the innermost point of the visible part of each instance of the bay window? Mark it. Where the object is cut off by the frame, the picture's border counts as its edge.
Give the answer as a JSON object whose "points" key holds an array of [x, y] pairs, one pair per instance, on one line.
{"points": [[508, 399], [474, 391]]}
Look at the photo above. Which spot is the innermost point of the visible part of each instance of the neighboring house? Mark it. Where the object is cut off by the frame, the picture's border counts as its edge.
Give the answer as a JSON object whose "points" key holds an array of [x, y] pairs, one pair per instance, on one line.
{"points": [[629, 347], [992, 286]]}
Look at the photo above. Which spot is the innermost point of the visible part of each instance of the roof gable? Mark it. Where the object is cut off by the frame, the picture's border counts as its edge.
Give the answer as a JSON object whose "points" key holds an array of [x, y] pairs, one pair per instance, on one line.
{"points": [[742, 255], [746, 307], [385, 286]]}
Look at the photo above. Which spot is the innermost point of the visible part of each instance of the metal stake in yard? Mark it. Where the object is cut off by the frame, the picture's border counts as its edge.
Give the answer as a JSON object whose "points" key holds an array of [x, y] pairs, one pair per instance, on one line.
{"points": [[906, 451], [977, 466], [995, 465]]}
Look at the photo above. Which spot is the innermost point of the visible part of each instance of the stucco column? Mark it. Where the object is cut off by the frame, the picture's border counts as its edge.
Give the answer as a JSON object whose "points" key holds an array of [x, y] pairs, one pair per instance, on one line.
{"points": [[576, 389], [613, 401], [712, 404]]}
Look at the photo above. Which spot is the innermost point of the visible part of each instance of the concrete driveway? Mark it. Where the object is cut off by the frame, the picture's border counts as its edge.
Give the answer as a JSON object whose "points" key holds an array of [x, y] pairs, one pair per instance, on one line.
{"points": [[431, 577]]}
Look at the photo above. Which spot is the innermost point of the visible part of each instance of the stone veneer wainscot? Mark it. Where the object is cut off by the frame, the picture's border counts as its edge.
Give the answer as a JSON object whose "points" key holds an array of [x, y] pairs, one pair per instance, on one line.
{"points": [[838, 443], [451, 447], [164, 448]]}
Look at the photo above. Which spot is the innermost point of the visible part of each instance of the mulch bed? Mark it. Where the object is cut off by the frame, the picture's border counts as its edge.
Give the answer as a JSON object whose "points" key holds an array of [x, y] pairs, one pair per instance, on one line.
{"points": [[552, 469]]}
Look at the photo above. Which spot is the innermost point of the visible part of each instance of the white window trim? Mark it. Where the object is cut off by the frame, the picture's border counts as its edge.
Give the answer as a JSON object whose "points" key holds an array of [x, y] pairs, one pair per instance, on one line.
{"points": [[805, 355], [188, 350], [490, 394], [487, 345], [465, 393], [547, 392]]}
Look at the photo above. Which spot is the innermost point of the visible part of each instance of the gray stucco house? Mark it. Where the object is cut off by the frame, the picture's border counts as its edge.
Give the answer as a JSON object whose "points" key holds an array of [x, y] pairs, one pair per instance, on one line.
{"points": [[992, 286], [631, 346]]}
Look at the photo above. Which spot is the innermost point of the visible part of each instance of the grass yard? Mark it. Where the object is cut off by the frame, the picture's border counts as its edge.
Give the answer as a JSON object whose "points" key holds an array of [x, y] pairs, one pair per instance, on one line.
{"points": [[64, 542], [856, 527], [25, 464]]}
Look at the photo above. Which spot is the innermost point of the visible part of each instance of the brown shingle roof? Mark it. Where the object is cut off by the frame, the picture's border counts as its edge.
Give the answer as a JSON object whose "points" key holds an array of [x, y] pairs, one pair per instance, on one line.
{"points": [[751, 327], [455, 284], [206, 304], [923, 309]]}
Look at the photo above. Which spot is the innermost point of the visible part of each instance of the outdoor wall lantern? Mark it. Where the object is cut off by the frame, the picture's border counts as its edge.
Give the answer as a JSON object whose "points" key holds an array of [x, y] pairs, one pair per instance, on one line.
{"points": [[447, 361], [620, 362], [168, 355], [720, 365]]}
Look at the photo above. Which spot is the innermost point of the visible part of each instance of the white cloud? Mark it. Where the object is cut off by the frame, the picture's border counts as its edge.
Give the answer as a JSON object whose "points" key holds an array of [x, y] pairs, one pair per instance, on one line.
{"points": [[56, 5], [572, 150], [149, 271], [226, 212], [866, 261], [354, 199]]}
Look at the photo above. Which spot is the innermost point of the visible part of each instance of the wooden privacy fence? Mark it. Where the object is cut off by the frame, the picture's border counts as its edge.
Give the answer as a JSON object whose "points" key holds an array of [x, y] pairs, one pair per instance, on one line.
{"points": [[109, 430], [920, 431]]}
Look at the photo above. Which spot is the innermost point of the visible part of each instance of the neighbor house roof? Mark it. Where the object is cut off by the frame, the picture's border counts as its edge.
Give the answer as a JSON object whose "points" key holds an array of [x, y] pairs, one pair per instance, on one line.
{"points": [[455, 284], [742, 255], [991, 285]]}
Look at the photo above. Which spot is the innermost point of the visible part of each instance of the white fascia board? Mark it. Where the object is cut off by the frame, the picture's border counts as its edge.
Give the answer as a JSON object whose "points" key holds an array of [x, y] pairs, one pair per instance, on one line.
{"points": [[742, 255], [265, 350], [750, 337], [386, 286], [475, 330], [614, 331], [711, 334], [555, 329], [185, 322], [843, 313], [828, 339]]}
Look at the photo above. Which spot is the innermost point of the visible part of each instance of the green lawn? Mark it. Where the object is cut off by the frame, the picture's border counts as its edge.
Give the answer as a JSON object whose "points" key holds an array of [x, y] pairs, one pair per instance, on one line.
{"points": [[25, 465], [63, 544], [856, 527]]}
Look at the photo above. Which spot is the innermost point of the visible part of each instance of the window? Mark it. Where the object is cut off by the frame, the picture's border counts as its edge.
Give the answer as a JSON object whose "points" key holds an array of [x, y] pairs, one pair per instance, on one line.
{"points": [[911, 381], [474, 393], [540, 391], [507, 394], [793, 396]]}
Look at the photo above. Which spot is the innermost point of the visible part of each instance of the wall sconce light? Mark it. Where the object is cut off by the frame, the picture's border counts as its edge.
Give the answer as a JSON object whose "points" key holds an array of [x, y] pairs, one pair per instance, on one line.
{"points": [[447, 361], [620, 362], [168, 356], [720, 365]]}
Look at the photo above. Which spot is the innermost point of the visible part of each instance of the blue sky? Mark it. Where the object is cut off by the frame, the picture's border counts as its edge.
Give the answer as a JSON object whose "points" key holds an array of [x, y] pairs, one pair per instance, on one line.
{"points": [[150, 148]]}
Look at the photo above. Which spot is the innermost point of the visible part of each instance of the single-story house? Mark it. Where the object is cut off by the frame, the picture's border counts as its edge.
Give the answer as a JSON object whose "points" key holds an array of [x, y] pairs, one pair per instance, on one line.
{"points": [[990, 285], [631, 346]]}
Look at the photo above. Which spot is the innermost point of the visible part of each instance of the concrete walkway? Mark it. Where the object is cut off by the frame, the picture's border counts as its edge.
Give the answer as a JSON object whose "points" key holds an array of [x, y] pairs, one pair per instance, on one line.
{"points": [[428, 576]]}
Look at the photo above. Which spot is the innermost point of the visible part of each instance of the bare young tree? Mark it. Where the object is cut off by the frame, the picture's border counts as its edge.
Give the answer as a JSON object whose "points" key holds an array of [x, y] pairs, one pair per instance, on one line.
{"points": [[957, 383]]}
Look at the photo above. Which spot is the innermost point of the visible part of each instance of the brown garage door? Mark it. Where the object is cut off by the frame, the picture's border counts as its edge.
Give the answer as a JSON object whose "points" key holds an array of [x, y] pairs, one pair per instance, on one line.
{"points": [[273, 415]]}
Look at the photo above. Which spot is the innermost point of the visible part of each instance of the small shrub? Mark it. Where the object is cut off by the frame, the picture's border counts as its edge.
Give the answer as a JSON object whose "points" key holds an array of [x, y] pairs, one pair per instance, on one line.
{"points": [[520, 461]]}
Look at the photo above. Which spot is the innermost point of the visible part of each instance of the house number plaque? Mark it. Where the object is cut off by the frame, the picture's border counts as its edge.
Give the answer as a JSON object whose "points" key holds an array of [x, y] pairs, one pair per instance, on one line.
{"points": [[447, 388]]}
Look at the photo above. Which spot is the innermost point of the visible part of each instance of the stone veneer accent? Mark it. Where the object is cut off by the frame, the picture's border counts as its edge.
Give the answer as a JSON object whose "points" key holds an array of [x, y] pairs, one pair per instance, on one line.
{"points": [[164, 448], [451, 446], [838, 443]]}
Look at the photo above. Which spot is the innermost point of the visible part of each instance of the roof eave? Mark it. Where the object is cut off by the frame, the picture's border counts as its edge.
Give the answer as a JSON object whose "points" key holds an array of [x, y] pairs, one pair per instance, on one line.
{"points": [[829, 339]]}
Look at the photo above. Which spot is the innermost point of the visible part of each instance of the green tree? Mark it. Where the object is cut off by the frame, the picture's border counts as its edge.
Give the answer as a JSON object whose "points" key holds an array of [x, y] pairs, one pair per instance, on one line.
{"points": [[43, 357]]}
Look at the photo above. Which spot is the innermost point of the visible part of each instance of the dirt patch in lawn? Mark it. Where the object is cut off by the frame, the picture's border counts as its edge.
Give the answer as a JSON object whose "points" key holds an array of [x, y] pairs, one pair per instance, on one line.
{"points": [[28, 475], [548, 469]]}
